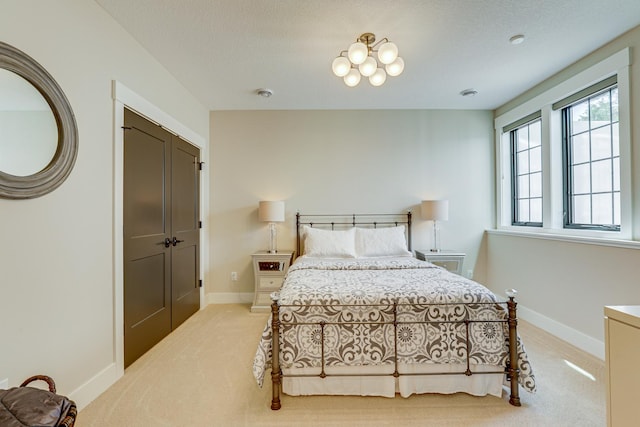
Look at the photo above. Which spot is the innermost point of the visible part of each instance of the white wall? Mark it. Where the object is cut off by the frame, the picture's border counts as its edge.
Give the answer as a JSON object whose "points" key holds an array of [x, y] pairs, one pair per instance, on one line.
{"points": [[56, 262], [378, 161], [564, 286]]}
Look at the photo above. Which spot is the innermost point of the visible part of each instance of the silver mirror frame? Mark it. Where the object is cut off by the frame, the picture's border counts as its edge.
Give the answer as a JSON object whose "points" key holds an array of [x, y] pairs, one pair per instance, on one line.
{"points": [[54, 174]]}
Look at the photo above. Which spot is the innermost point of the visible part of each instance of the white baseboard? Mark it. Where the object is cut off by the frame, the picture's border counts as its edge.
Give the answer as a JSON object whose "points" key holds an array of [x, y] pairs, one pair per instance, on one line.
{"points": [[93, 388], [229, 297], [576, 338]]}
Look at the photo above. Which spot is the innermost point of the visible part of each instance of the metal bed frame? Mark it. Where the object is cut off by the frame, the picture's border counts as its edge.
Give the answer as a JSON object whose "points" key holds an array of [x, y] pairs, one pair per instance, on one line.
{"points": [[511, 369]]}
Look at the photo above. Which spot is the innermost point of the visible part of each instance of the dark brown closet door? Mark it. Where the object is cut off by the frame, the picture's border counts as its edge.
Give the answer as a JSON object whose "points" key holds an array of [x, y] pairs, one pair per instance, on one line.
{"points": [[185, 270], [147, 226], [161, 234]]}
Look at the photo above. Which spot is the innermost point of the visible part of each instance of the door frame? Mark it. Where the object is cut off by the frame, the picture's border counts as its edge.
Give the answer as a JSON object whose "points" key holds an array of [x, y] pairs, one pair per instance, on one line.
{"points": [[125, 97]]}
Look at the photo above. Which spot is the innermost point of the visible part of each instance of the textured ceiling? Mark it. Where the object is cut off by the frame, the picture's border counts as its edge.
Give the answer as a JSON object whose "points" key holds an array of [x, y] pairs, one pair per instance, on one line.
{"points": [[223, 50]]}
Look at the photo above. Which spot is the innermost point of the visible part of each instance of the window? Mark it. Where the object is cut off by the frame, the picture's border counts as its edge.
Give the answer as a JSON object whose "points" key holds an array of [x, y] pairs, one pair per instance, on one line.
{"points": [[526, 172], [592, 162], [564, 158]]}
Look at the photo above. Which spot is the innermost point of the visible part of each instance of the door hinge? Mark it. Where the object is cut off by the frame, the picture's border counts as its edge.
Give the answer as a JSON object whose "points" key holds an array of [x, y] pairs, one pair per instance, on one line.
{"points": [[199, 224], [200, 283], [200, 165], [126, 128]]}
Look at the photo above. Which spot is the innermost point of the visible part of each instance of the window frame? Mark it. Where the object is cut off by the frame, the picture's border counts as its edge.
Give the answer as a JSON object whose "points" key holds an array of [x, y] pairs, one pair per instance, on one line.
{"points": [[568, 192], [617, 64], [513, 129]]}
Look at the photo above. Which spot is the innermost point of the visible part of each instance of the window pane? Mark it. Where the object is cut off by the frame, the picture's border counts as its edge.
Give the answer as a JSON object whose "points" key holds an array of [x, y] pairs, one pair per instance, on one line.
{"points": [[601, 177], [523, 210], [536, 210], [601, 143], [614, 105], [535, 133], [523, 186], [602, 212], [522, 136], [581, 209], [535, 184], [580, 117], [523, 162], [600, 110], [616, 174], [580, 145], [535, 159], [616, 208], [581, 179]]}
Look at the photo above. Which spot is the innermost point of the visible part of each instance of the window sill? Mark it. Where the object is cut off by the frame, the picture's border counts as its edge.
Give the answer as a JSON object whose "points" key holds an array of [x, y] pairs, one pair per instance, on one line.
{"points": [[588, 240]]}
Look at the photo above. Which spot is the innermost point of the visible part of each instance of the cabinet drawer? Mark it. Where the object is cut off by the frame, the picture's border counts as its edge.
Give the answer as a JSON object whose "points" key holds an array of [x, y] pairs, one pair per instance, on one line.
{"points": [[271, 283]]}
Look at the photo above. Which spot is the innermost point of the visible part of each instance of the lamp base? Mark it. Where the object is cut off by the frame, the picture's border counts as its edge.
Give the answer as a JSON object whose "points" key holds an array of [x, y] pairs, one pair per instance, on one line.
{"points": [[273, 238]]}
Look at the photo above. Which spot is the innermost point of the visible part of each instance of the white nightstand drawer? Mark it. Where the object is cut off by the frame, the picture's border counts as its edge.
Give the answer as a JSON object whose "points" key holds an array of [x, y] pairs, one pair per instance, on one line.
{"points": [[451, 265], [270, 283]]}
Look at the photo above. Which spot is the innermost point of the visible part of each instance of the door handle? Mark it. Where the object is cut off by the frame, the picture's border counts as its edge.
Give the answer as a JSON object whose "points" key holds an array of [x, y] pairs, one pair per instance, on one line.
{"points": [[166, 243], [176, 241]]}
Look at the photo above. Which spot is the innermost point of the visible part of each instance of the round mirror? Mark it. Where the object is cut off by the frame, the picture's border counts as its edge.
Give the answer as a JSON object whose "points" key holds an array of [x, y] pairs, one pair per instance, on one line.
{"points": [[38, 134]]}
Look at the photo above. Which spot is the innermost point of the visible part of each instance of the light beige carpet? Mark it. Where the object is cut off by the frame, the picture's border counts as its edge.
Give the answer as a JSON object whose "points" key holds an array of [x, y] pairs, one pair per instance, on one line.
{"points": [[201, 375]]}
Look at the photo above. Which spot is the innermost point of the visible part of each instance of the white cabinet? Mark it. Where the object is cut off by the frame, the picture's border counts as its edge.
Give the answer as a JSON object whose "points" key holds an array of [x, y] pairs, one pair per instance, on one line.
{"points": [[269, 271], [622, 355]]}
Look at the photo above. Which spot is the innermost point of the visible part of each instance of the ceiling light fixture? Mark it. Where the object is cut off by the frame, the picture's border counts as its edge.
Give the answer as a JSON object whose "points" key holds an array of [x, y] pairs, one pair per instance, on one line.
{"points": [[265, 93], [364, 58]]}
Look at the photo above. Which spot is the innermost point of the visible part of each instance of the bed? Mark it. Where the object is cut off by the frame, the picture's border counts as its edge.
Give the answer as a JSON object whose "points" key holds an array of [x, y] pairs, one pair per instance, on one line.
{"points": [[359, 315]]}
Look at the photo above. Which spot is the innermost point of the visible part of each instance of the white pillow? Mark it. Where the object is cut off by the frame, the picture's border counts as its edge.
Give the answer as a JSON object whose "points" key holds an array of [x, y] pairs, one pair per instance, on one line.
{"points": [[329, 243], [385, 241]]}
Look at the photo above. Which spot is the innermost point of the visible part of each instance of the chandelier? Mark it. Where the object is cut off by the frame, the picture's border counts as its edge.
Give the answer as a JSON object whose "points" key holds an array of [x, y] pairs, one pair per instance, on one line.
{"points": [[364, 58]]}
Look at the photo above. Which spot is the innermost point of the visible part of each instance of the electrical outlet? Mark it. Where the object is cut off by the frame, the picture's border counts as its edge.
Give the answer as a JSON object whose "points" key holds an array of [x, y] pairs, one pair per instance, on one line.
{"points": [[234, 276], [4, 384]]}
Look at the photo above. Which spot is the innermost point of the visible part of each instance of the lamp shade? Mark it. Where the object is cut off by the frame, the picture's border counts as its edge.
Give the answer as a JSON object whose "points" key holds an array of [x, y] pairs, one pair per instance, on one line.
{"points": [[269, 211], [435, 210]]}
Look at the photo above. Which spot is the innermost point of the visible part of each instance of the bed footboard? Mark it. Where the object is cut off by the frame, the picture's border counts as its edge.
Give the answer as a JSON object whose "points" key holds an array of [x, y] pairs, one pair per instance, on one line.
{"points": [[511, 370]]}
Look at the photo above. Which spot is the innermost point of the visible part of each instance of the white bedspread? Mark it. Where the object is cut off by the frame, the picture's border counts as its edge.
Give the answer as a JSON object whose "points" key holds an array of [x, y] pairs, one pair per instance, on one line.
{"points": [[370, 287]]}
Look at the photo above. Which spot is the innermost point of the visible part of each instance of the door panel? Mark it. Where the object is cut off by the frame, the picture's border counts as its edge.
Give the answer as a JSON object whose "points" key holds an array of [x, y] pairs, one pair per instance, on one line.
{"points": [[144, 298]]}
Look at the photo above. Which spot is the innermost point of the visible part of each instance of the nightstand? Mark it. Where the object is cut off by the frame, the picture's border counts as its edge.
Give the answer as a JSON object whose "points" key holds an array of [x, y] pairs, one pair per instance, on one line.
{"points": [[451, 260], [269, 271]]}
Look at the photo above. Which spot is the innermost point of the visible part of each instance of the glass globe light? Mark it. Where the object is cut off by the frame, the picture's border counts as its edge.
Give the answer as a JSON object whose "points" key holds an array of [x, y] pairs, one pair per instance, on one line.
{"points": [[387, 52], [395, 68], [358, 52], [352, 78], [341, 66], [378, 78], [368, 67]]}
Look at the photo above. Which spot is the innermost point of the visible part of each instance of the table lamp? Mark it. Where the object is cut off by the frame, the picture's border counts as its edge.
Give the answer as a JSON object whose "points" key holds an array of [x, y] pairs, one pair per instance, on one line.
{"points": [[271, 212], [435, 210]]}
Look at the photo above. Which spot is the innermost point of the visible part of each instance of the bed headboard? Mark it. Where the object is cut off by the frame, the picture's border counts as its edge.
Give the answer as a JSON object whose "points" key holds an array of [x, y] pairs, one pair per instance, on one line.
{"points": [[344, 221]]}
